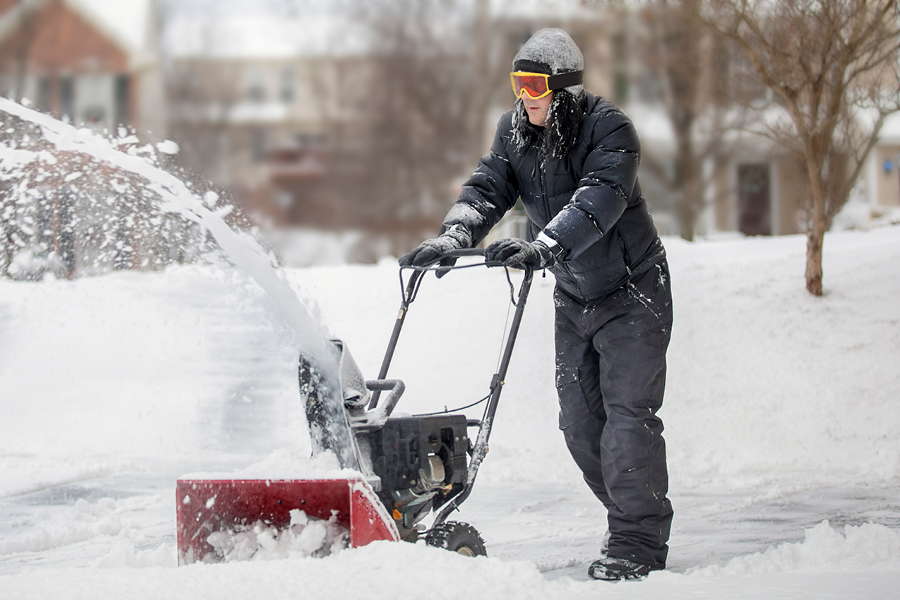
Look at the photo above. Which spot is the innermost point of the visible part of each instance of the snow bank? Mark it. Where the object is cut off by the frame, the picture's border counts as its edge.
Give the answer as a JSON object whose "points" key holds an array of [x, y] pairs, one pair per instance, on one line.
{"points": [[386, 570], [817, 567], [770, 384], [79, 523], [862, 547]]}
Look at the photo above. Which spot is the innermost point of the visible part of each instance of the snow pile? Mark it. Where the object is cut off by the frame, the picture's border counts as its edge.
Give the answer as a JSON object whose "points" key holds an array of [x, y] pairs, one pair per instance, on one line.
{"points": [[859, 214], [305, 537], [84, 522], [771, 385], [52, 528], [857, 548], [817, 567]]}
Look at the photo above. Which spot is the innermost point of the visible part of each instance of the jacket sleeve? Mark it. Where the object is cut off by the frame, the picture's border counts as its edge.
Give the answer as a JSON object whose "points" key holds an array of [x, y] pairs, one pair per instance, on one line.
{"points": [[491, 190], [610, 175]]}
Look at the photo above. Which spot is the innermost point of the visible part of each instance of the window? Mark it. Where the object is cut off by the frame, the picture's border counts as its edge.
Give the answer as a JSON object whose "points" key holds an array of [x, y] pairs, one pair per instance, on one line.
{"points": [[256, 85], [122, 88], [288, 90], [258, 145], [94, 106], [67, 96], [620, 66], [44, 93], [754, 197]]}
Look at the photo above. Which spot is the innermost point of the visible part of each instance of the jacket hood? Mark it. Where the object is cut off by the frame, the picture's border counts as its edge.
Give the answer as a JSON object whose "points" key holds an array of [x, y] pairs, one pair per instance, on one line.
{"points": [[551, 51]]}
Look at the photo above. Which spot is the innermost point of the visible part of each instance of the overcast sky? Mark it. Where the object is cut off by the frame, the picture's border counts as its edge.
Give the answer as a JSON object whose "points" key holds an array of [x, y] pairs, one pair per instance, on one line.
{"points": [[281, 7]]}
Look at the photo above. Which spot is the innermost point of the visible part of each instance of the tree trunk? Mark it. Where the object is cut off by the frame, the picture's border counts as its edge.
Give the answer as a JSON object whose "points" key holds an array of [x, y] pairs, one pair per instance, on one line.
{"points": [[688, 179], [685, 219], [815, 237]]}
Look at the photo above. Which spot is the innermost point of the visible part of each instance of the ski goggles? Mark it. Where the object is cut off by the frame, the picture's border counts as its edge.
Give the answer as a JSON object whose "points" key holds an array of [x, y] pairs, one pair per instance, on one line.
{"points": [[538, 85]]}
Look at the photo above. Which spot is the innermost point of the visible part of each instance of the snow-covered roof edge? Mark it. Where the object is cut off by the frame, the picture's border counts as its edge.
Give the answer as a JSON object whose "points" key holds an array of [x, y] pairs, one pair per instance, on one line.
{"points": [[890, 131]]}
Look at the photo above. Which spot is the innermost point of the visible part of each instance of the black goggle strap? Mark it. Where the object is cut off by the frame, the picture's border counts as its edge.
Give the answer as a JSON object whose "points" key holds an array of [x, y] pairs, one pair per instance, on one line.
{"points": [[564, 80]]}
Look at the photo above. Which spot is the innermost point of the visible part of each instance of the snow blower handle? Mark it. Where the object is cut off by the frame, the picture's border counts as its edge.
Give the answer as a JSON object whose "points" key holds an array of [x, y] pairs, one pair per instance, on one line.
{"points": [[480, 449], [461, 252], [409, 290]]}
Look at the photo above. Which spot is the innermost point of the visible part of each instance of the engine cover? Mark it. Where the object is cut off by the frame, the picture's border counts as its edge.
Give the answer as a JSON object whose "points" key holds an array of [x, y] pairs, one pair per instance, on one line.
{"points": [[401, 449]]}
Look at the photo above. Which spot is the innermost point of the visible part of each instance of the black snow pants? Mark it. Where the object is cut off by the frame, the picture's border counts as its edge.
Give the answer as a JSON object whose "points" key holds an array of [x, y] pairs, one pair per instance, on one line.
{"points": [[610, 376]]}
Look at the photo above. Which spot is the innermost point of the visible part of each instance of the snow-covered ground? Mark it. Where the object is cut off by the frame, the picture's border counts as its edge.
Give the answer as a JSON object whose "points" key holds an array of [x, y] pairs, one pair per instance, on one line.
{"points": [[781, 412]]}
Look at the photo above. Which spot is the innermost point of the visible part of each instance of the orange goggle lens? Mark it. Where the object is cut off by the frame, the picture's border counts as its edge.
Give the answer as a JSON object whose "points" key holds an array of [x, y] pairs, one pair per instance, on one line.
{"points": [[538, 85], [533, 84]]}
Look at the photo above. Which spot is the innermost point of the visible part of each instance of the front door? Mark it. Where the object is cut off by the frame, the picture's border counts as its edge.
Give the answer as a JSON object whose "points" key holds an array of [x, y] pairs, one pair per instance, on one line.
{"points": [[753, 199]]}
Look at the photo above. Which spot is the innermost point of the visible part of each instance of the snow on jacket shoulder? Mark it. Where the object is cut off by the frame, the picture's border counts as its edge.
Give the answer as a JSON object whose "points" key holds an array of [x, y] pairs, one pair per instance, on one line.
{"points": [[589, 201]]}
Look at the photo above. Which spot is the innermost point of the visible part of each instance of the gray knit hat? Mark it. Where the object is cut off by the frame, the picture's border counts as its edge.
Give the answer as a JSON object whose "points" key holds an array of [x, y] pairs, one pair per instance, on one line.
{"points": [[551, 51]]}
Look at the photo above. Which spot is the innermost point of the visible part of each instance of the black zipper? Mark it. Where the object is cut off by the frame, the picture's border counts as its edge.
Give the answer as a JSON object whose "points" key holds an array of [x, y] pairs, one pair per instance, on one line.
{"points": [[560, 265], [541, 173]]}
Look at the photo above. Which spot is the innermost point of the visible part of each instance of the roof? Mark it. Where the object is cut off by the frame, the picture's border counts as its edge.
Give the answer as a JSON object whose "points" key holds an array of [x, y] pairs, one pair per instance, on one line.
{"points": [[890, 131], [125, 22]]}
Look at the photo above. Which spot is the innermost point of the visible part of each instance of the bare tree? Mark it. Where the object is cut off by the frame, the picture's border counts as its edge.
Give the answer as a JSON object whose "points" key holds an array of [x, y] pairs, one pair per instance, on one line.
{"points": [[705, 111], [686, 67], [201, 92], [421, 98], [834, 66]]}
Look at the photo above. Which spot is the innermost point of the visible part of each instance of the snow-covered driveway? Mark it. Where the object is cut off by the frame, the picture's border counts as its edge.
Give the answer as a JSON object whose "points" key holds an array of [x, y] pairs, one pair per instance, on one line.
{"points": [[781, 414]]}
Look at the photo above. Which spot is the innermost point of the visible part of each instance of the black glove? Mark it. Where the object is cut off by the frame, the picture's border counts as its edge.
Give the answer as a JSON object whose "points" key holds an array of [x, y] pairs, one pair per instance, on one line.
{"points": [[513, 252], [431, 250]]}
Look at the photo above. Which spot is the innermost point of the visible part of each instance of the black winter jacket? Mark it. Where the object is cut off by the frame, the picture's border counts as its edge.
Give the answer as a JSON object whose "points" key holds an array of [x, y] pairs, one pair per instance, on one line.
{"points": [[590, 201]]}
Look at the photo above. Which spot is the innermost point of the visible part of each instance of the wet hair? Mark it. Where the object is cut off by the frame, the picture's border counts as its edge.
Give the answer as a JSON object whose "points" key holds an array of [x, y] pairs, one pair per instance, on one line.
{"points": [[563, 121]]}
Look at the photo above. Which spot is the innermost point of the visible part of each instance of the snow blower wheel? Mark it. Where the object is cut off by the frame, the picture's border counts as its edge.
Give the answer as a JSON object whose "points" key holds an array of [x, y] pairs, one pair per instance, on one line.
{"points": [[457, 537]]}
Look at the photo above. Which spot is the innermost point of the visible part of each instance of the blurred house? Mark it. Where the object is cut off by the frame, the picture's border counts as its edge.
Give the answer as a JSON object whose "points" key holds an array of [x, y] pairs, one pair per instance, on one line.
{"points": [[882, 176], [92, 62], [258, 104], [95, 64], [253, 102]]}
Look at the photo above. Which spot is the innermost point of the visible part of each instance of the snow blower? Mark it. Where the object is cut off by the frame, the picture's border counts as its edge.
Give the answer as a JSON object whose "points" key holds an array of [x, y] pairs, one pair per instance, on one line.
{"points": [[408, 467]]}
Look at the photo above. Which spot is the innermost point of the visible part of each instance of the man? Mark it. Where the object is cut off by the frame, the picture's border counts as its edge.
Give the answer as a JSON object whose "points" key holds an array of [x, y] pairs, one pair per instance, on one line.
{"points": [[572, 158]]}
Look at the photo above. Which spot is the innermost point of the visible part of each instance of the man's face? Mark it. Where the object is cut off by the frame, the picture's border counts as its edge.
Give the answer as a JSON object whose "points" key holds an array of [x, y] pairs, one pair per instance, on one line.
{"points": [[537, 109]]}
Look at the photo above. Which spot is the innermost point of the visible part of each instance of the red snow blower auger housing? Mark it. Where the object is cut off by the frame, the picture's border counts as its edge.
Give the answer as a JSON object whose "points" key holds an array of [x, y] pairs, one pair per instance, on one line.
{"points": [[407, 467]]}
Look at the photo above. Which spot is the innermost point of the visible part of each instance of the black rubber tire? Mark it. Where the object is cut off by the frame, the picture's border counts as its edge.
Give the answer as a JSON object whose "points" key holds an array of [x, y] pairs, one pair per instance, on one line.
{"points": [[456, 536]]}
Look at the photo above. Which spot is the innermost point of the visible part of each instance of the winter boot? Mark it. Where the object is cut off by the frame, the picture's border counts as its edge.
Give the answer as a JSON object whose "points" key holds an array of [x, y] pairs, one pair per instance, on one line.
{"points": [[604, 545], [613, 568]]}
